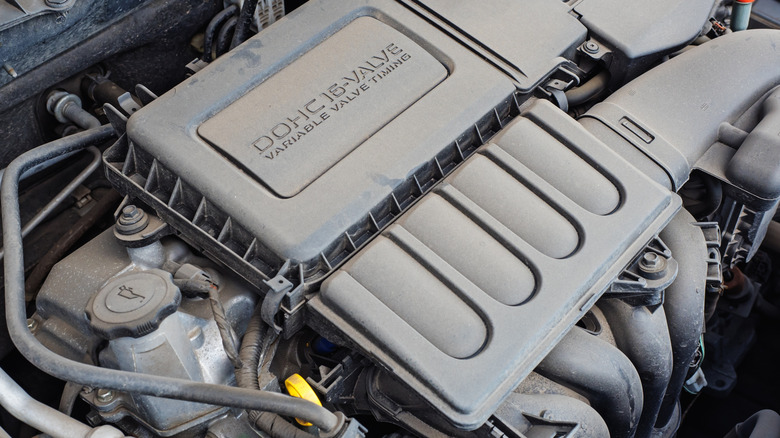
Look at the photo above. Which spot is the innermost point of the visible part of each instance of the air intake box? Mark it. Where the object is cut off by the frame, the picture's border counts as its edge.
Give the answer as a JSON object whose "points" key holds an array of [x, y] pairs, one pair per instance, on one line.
{"points": [[351, 141], [306, 140]]}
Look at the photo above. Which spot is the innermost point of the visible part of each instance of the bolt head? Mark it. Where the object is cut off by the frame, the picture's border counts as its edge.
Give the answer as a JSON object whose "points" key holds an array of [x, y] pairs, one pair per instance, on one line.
{"points": [[590, 47], [651, 262], [131, 220], [130, 214], [105, 395]]}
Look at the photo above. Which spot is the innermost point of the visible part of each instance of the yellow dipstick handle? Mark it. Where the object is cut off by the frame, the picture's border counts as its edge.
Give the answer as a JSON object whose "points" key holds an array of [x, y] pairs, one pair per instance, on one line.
{"points": [[297, 386]]}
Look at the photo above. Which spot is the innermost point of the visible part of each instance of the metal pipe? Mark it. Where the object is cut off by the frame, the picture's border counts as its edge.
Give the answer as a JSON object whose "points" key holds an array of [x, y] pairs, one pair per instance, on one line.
{"points": [[601, 373], [50, 421], [70, 370], [61, 196], [642, 335], [66, 107], [80, 117], [683, 303]]}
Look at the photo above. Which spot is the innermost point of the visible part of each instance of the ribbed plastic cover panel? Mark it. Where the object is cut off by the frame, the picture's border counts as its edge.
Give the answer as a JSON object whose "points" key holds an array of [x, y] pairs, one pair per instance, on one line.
{"points": [[304, 142], [466, 292]]}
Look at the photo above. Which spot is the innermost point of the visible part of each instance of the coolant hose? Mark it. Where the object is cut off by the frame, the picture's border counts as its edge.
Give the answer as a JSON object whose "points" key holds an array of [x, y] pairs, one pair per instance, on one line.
{"points": [[683, 303], [601, 373], [588, 90], [246, 377], [97, 377], [642, 335]]}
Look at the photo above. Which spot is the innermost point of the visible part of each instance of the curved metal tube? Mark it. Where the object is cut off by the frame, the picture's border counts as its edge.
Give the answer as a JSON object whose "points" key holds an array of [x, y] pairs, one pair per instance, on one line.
{"points": [[683, 303], [51, 421], [601, 373], [81, 117], [62, 195], [642, 335]]}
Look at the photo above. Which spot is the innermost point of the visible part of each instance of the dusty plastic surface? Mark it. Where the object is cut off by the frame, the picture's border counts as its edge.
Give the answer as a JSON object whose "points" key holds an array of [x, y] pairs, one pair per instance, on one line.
{"points": [[292, 132], [670, 114], [466, 293], [631, 30], [508, 34], [193, 153]]}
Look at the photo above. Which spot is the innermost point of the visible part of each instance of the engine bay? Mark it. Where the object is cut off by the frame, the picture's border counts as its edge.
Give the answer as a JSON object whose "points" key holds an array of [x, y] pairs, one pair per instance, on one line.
{"points": [[384, 217]]}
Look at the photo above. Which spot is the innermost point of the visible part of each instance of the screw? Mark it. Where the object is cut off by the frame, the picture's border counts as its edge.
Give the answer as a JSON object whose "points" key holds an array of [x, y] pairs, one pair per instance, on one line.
{"points": [[10, 70], [590, 47], [32, 325], [105, 395]]}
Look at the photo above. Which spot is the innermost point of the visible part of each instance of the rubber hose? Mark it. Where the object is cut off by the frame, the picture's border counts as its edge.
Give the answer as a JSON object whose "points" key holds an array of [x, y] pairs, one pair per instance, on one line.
{"points": [[223, 37], [211, 30], [69, 370], [683, 303], [588, 90]]}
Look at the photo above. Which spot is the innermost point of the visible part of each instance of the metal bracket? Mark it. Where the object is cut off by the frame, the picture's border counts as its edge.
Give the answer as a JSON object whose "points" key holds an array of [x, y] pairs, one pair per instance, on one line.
{"points": [[644, 280], [116, 118], [711, 231]]}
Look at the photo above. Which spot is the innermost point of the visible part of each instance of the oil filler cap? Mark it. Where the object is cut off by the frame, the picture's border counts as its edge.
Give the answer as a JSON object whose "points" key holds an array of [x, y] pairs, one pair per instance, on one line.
{"points": [[133, 304]]}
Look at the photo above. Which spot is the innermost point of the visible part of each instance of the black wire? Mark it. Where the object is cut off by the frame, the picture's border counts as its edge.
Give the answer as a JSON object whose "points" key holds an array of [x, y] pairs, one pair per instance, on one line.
{"points": [[223, 38], [245, 19], [211, 30], [97, 377], [252, 348]]}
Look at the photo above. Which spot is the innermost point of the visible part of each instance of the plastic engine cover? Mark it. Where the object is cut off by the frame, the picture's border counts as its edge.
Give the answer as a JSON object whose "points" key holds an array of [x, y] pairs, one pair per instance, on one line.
{"points": [[296, 145], [357, 129], [467, 292]]}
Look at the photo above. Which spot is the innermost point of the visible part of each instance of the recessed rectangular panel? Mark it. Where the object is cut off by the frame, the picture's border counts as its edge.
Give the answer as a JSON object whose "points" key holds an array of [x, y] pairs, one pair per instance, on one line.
{"points": [[296, 125]]}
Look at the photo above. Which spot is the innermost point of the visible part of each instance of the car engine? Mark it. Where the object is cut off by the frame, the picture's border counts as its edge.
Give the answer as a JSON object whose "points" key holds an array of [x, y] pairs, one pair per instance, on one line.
{"points": [[386, 218]]}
